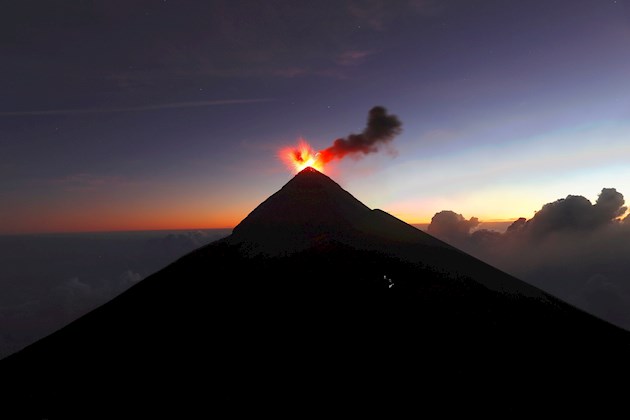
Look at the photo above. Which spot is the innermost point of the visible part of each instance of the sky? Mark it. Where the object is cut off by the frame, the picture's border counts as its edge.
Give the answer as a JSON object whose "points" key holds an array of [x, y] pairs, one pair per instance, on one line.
{"points": [[166, 114]]}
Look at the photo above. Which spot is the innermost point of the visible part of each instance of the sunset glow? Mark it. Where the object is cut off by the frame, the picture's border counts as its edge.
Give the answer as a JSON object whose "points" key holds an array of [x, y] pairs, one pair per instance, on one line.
{"points": [[301, 156], [413, 108]]}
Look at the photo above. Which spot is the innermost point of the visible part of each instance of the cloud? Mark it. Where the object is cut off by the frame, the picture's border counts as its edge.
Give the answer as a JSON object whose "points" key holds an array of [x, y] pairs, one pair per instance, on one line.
{"points": [[577, 212], [517, 226], [50, 309], [602, 296], [148, 107], [353, 57], [610, 204], [177, 244], [74, 289], [74, 297], [127, 279], [48, 281], [130, 277], [571, 248], [451, 227]]}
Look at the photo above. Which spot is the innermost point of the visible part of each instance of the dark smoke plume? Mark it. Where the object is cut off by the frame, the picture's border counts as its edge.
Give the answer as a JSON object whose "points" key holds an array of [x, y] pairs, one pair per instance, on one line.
{"points": [[381, 128]]}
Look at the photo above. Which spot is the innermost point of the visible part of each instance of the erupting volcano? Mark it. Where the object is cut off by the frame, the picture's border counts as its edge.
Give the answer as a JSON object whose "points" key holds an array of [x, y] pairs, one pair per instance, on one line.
{"points": [[301, 157], [321, 294], [381, 129]]}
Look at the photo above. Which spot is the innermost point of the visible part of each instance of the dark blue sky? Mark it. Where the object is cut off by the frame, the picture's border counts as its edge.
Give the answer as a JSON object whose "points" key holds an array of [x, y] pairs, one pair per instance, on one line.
{"points": [[141, 114]]}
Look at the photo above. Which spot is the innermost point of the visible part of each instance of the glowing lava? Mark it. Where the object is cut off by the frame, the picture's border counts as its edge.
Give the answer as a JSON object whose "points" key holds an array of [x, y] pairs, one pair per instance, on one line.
{"points": [[300, 157]]}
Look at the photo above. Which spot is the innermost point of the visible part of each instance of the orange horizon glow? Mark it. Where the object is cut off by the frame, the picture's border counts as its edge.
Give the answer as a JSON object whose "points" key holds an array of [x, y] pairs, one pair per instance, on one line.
{"points": [[166, 223], [120, 228], [111, 222]]}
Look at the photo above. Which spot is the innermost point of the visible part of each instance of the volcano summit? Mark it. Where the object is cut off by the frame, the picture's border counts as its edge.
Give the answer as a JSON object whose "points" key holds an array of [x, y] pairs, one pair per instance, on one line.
{"points": [[318, 303]]}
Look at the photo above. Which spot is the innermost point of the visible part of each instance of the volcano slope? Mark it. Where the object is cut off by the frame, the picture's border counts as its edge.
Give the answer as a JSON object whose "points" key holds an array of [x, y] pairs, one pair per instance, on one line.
{"points": [[317, 303]]}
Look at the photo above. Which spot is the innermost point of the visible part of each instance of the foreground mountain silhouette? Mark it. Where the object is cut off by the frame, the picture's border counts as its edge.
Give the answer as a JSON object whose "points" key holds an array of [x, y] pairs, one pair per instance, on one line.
{"points": [[318, 305]]}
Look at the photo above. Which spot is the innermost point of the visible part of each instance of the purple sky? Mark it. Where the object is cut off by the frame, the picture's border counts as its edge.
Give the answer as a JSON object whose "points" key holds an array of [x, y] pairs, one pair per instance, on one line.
{"points": [[138, 114]]}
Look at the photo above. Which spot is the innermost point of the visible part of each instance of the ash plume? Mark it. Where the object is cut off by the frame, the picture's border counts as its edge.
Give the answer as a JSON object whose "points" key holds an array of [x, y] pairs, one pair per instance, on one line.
{"points": [[381, 129]]}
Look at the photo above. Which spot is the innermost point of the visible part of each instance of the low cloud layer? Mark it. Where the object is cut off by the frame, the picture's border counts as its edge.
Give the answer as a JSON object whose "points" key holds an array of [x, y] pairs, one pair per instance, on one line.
{"points": [[49, 308], [572, 248], [50, 280]]}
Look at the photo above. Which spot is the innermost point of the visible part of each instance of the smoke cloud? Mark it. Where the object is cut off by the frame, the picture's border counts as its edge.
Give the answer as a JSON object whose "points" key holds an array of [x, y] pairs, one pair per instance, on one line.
{"points": [[381, 129], [571, 248]]}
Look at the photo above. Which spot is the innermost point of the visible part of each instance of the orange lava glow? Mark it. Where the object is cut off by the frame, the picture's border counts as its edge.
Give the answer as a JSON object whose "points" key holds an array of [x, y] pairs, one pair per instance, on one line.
{"points": [[301, 156]]}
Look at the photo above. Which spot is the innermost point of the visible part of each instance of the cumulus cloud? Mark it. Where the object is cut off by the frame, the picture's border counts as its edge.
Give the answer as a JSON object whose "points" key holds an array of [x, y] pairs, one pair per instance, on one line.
{"points": [[571, 248], [577, 213], [451, 227], [610, 204], [517, 226]]}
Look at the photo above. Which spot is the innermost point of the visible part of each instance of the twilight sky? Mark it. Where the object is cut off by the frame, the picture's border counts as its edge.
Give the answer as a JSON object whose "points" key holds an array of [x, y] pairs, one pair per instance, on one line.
{"points": [[164, 114]]}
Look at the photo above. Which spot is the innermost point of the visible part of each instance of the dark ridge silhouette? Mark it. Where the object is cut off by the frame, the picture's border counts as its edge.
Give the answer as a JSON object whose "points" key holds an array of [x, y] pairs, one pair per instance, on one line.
{"points": [[318, 305]]}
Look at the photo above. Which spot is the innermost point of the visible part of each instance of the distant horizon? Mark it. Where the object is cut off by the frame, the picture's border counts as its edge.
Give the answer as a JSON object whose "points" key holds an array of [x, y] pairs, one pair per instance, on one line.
{"points": [[64, 232], [419, 225]]}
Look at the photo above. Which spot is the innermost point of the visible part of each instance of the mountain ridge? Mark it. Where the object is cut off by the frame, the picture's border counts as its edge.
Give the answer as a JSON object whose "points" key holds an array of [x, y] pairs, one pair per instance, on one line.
{"points": [[313, 286], [310, 207]]}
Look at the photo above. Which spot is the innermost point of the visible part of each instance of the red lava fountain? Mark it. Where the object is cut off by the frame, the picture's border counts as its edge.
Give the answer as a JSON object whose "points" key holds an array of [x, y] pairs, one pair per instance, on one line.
{"points": [[381, 129], [301, 156]]}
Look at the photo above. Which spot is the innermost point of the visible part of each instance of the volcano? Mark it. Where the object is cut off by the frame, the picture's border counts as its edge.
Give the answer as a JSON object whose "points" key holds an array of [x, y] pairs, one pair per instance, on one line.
{"points": [[318, 303]]}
